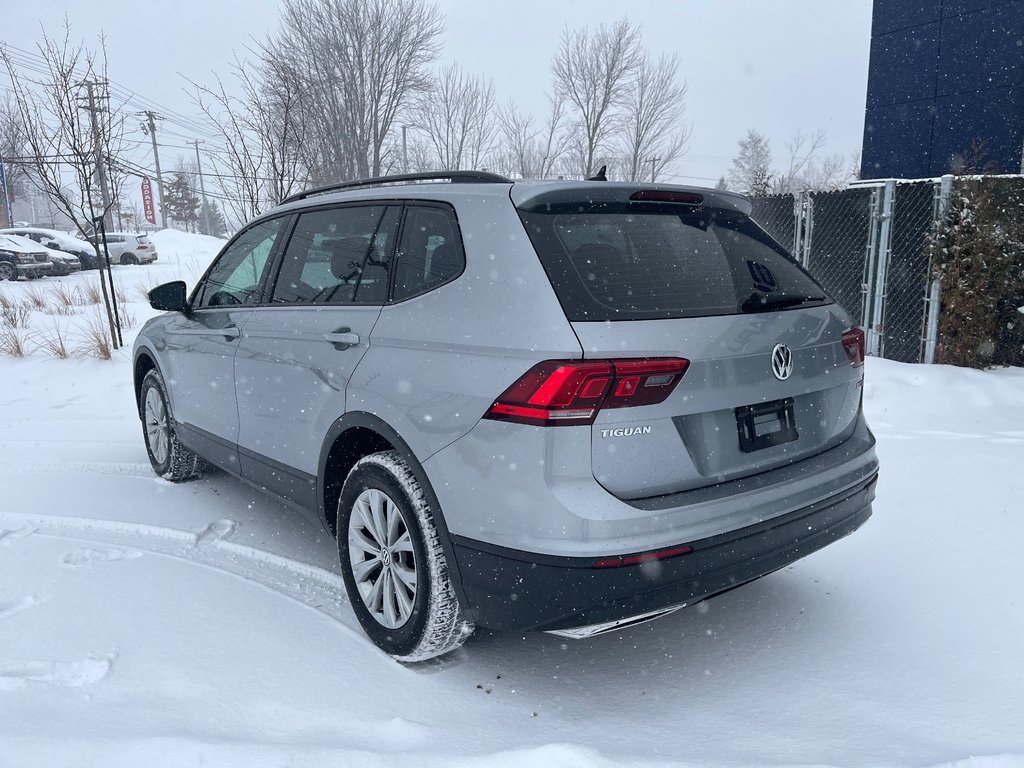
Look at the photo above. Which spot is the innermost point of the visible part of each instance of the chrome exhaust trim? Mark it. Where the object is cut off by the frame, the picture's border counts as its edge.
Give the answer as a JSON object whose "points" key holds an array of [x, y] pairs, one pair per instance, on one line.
{"points": [[579, 633]]}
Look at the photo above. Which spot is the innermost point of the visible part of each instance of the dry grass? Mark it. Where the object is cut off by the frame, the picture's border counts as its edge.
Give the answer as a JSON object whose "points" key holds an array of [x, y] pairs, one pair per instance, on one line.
{"points": [[128, 319], [5, 301], [55, 342], [120, 295], [13, 341], [15, 316], [92, 294], [35, 297], [143, 292], [66, 296], [59, 309], [96, 340]]}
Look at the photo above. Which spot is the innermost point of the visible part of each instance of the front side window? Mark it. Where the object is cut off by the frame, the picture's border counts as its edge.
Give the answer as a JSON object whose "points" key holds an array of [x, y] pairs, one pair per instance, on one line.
{"points": [[430, 253], [237, 275], [338, 256]]}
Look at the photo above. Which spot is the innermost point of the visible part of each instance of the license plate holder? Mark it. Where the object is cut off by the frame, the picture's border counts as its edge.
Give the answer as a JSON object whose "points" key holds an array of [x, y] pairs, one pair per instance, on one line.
{"points": [[763, 425]]}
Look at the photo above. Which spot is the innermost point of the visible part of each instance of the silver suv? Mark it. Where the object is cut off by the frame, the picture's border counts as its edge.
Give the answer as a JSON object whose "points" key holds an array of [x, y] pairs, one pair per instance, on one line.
{"points": [[556, 406]]}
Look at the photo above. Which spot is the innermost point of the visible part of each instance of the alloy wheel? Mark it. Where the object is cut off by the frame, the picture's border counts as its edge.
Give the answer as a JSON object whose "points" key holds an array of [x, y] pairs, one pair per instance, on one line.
{"points": [[157, 428], [382, 558]]}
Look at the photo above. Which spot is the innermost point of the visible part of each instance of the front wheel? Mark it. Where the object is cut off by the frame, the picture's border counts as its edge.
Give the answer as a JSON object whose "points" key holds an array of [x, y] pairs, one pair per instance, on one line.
{"points": [[170, 459], [8, 271], [395, 571]]}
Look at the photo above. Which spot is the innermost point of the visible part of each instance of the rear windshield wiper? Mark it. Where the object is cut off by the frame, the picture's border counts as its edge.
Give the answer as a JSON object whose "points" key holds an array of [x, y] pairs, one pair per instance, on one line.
{"points": [[766, 302]]}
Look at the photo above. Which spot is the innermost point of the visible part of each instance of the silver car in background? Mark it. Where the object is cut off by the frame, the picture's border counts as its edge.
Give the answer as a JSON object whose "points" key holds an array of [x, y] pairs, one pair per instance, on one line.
{"points": [[554, 406]]}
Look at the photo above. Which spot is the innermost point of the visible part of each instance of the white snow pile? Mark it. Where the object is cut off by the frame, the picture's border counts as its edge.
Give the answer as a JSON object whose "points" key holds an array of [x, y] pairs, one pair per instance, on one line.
{"points": [[149, 624]]}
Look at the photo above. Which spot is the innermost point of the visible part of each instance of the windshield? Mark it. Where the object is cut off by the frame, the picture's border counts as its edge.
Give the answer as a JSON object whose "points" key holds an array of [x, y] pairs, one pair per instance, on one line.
{"points": [[620, 263]]}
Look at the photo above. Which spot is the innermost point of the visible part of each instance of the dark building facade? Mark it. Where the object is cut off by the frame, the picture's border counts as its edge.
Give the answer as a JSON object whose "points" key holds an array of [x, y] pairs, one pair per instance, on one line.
{"points": [[942, 74]]}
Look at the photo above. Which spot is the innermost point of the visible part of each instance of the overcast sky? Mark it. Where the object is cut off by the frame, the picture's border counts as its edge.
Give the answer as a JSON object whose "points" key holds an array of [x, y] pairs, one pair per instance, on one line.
{"points": [[778, 66]]}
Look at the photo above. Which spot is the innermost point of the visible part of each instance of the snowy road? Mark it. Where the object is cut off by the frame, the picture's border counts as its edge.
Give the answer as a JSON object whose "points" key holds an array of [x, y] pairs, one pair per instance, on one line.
{"points": [[145, 623]]}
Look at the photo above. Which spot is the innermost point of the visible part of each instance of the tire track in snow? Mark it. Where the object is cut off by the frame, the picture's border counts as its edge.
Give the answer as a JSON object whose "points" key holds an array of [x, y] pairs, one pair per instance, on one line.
{"points": [[111, 469], [62, 674], [309, 585]]}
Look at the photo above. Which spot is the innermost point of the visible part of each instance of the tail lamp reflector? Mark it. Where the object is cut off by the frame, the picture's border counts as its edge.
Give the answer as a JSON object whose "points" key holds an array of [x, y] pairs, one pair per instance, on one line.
{"points": [[572, 392], [646, 557], [853, 343]]}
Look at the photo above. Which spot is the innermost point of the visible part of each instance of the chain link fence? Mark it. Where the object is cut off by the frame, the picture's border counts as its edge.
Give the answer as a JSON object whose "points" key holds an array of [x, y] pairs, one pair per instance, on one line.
{"points": [[869, 247]]}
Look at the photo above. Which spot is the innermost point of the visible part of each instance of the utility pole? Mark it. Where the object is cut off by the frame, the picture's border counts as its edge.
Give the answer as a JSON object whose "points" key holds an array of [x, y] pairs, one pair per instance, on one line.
{"points": [[152, 117], [652, 161], [202, 191], [97, 146]]}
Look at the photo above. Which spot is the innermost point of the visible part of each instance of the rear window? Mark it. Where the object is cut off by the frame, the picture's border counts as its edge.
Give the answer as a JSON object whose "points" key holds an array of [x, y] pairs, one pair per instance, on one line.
{"points": [[614, 262]]}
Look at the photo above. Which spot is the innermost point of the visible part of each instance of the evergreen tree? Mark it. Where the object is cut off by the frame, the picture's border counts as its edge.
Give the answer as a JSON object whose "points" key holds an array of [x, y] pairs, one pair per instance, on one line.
{"points": [[978, 257], [182, 203], [750, 172], [212, 213]]}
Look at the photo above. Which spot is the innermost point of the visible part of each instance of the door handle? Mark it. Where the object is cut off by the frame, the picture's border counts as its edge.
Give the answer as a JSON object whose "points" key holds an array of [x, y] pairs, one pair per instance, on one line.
{"points": [[230, 332], [343, 338]]}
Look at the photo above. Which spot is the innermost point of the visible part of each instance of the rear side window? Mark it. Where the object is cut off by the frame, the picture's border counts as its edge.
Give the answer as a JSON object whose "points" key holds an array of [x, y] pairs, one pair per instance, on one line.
{"points": [[614, 262], [338, 256], [430, 252]]}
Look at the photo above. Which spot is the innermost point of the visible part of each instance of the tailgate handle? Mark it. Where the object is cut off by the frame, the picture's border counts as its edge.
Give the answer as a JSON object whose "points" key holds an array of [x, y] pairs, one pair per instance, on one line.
{"points": [[342, 338]]}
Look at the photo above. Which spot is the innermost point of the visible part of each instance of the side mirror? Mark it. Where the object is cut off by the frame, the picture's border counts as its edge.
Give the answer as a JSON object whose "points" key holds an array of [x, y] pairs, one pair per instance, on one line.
{"points": [[169, 297]]}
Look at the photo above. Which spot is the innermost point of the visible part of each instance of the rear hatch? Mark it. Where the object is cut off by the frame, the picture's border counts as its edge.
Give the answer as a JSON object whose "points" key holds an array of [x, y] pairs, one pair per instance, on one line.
{"points": [[773, 370]]}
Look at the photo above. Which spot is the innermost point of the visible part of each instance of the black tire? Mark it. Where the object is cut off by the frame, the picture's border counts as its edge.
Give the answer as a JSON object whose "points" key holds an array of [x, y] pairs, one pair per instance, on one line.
{"points": [[128, 258], [8, 271], [434, 624], [170, 459]]}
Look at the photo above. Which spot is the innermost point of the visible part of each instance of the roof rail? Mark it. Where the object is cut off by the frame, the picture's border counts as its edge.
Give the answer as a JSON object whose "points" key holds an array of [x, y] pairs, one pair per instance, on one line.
{"points": [[454, 177]]}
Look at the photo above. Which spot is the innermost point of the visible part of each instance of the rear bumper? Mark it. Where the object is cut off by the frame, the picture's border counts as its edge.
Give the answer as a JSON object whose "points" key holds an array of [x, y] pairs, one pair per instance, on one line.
{"points": [[511, 590]]}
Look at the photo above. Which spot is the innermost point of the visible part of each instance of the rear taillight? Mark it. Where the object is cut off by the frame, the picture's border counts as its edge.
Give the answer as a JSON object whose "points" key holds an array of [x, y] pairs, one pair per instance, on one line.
{"points": [[572, 392], [853, 343], [141, 247]]}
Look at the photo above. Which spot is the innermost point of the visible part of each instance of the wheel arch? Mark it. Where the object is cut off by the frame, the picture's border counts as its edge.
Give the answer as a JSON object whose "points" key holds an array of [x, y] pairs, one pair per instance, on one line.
{"points": [[144, 363], [359, 434]]}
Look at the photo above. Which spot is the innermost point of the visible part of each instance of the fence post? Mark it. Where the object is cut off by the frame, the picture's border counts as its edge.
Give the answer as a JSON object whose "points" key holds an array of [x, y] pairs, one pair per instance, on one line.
{"points": [[934, 297], [798, 225], [877, 286]]}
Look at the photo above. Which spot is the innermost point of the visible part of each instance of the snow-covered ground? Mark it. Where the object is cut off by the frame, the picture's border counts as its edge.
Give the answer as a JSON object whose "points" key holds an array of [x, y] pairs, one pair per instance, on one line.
{"points": [[145, 623]]}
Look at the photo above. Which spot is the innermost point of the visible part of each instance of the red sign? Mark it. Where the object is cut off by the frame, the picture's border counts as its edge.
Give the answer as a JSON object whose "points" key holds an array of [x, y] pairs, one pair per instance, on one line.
{"points": [[147, 200]]}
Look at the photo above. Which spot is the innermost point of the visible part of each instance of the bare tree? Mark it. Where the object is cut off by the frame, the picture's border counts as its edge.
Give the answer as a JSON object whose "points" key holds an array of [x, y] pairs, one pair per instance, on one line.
{"points": [[593, 71], [263, 132], [750, 172], [360, 64], [457, 115], [533, 152], [73, 141], [655, 135], [801, 149], [808, 169], [13, 148]]}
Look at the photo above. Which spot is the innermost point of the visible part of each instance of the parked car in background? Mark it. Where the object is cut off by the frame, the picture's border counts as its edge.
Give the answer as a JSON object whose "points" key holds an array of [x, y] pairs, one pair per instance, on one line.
{"points": [[63, 263], [557, 406], [51, 238], [130, 248], [20, 260]]}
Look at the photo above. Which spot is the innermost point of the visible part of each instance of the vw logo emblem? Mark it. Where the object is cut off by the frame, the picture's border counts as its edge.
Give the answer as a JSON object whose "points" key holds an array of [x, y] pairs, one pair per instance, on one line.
{"points": [[782, 362], [385, 557]]}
